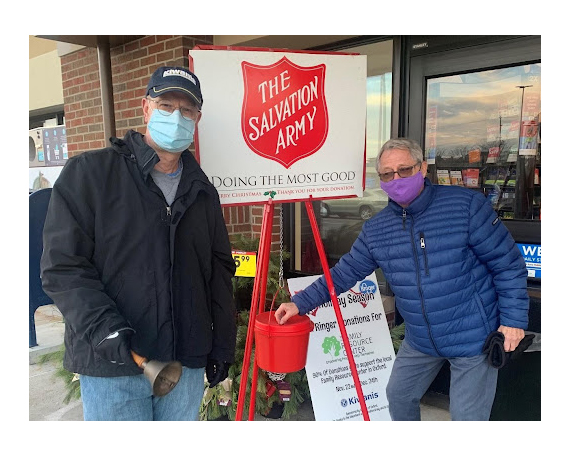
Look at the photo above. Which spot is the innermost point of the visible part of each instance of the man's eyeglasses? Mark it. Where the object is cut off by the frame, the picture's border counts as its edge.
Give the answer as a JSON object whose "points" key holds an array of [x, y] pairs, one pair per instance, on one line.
{"points": [[403, 171], [166, 108]]}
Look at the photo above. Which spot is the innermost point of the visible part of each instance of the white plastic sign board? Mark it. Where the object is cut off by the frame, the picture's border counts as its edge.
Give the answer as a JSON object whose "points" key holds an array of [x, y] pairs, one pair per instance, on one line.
{"points": [[333, 393], [285, 125]]}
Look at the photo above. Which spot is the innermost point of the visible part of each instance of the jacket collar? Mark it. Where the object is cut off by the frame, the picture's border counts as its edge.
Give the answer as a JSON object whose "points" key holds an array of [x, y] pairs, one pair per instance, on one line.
{"points": [[420, 203], [192, 173], [134, 147]]}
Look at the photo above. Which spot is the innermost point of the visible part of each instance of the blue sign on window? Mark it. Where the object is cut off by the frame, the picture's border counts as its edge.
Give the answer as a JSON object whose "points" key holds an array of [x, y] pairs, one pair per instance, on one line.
{"points": [[532, 257]]}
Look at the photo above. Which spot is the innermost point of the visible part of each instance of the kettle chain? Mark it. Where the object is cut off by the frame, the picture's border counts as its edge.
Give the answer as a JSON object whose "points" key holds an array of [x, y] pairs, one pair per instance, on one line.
{"points": [[281, 281]]}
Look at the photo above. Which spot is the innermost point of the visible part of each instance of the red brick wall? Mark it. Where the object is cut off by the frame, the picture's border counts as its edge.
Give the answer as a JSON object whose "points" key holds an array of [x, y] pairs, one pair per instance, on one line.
{"points": [[82, 101], [247, 220]]}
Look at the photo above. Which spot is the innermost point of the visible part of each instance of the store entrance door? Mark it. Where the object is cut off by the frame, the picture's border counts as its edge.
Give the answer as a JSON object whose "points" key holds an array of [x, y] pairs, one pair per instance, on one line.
{"points": [[476, 111]]}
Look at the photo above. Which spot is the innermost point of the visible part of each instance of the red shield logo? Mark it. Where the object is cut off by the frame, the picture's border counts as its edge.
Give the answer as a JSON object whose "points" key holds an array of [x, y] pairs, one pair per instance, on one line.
{"points": [[284, 114]]}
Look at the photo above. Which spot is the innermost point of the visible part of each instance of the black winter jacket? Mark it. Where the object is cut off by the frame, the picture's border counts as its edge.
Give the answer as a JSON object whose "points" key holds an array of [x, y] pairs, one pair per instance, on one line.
{"points": [[116, 254]]}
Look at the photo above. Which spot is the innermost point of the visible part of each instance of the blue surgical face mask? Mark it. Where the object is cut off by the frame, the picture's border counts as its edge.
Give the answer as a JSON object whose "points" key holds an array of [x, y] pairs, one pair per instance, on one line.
{"points": [[172, 133]]}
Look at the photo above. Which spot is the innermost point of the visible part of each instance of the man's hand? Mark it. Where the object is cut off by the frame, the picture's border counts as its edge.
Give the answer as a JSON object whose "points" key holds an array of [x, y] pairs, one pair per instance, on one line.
{"points": [[216, 371], [116, 347], [513, 336], [285, 311]]}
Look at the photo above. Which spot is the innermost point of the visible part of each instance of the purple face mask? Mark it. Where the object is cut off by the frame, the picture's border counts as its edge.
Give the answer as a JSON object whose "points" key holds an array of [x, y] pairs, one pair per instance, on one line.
{"points": [[404, 190]]}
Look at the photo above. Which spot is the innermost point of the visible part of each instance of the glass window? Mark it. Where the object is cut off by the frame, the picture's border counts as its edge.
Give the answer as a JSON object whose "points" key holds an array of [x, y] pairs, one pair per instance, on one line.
{"points": [[340, 220], [483, 132]]}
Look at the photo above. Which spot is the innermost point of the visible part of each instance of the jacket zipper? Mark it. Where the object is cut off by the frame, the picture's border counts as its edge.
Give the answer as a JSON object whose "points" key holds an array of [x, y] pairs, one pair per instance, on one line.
{"points": [[423, 246], [174, 348], [403, 219], [171, 248], [420, 287]]}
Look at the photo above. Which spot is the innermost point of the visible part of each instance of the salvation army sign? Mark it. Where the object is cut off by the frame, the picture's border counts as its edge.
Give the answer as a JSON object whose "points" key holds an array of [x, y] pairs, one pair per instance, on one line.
{"points": [[285, 124], [284, 114]]}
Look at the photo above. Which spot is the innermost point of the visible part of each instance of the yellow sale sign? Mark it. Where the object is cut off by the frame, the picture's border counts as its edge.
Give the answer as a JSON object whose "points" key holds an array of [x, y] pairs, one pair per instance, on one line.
{"points": [[245, 263]]}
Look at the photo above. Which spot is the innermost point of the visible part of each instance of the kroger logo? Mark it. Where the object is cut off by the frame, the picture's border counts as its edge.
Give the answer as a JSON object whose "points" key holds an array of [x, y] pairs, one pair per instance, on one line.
{"points": [[367, 286]]}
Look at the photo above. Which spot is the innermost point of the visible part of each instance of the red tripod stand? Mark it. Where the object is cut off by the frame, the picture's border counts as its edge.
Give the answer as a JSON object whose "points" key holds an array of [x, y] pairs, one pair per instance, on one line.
{"points": [[258, 304]]}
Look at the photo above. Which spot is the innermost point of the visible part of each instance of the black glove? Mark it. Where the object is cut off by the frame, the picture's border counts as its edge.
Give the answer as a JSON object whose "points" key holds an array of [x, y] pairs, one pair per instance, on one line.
{"points": [[522, 346], [216, 371], [116, 347], [494, 348]]}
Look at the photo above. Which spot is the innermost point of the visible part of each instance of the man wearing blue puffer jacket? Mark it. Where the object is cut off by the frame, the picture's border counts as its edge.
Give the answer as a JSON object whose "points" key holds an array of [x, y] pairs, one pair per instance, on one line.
{"points": [[456, 273]]}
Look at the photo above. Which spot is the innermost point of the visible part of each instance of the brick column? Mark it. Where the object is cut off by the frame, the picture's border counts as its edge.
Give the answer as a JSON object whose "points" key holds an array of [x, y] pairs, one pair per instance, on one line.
{"points": [[82, 101]]}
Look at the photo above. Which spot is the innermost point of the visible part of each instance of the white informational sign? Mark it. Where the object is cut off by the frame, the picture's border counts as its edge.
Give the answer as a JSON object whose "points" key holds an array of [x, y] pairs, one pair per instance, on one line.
{"points": [[333, 393], [279, 124]]}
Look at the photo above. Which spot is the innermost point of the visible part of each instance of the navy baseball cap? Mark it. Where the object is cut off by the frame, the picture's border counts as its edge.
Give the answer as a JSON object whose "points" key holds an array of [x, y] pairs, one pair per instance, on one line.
{"points": [[175, 79]]}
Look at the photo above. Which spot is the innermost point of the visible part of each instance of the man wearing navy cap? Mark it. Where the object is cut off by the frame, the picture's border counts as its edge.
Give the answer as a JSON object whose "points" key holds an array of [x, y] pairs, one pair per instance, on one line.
{"points": [[137, 257]]}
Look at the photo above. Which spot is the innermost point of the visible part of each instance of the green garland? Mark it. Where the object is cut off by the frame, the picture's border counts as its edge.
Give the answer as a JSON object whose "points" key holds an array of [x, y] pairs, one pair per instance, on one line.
{"points": [[397, 335], [211, 409], [69, 378]]}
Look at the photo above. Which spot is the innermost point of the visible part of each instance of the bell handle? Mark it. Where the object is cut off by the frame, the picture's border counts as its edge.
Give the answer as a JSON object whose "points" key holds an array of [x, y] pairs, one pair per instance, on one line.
{"points": [[140, 360]]}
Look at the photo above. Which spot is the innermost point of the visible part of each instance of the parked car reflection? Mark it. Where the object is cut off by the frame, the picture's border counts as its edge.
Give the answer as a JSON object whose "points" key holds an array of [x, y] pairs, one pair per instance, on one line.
{"points": [[372, 201], [338, 240]]}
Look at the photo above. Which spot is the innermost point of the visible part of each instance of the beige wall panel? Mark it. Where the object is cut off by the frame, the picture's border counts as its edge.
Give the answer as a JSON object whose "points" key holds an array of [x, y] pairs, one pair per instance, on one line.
{"points": [[233, 40], [39, 46], [45, 81]]}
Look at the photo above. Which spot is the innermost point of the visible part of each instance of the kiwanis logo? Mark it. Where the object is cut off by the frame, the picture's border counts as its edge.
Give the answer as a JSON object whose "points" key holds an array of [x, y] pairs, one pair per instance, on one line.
{"points": [[284, 114]]}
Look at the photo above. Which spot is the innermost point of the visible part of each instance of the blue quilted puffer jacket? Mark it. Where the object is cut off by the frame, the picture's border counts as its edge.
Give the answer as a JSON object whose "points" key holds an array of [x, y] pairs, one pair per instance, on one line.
{"points": [[454, 268]]}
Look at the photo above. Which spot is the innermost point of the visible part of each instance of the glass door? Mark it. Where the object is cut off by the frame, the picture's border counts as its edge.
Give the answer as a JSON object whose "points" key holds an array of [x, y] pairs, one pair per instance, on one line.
{"points": [[475, 107], [476, 110], [482, 131]]}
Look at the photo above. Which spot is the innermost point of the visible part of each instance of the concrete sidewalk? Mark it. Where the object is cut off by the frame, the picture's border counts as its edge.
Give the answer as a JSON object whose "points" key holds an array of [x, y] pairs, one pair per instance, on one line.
{"points": [[49, 332], [47, 392]]}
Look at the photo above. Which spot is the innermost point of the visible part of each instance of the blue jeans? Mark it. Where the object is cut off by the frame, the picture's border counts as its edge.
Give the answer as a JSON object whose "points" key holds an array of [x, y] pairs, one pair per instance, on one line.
{"points": [[471, 391], [130, 398]]}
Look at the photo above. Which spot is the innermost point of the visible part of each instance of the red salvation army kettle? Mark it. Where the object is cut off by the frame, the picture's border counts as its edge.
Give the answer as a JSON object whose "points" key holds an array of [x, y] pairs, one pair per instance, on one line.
{"points": [[282, 348]]}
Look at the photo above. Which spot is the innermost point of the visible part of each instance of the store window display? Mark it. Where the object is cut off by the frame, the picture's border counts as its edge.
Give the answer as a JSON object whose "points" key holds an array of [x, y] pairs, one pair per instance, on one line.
{"points": [[482, 131]]}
